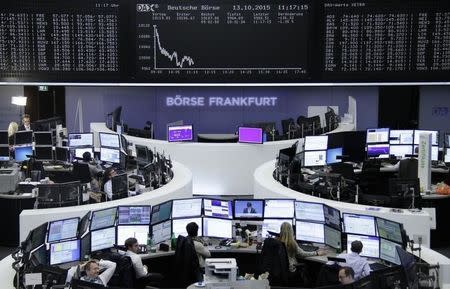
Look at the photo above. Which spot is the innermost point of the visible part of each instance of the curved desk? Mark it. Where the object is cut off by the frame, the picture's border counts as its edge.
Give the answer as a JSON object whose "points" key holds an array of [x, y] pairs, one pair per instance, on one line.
{"points": [[179, 187], [217, 168]]}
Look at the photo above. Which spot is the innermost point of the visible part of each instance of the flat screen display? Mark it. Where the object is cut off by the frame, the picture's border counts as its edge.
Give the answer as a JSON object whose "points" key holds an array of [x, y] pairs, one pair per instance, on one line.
{"points": [[161, 232], [309, 211], [218, 208], [4, 140], [62, 229], [434, 152], [332, 217], [43, 153], [333, 237], [64, 252], [309, 232], [400, 151], [332, 156], [434, 136], [61, 154], [378, 151], [315, 158], [110, 155], [179, 226], [405, 137], [103, 239], [389, 230], [248, 209], [186, 208], [371, 245], [316, 143], [110, 140], [251, 135], [180, 133], [103, 218], [218, 228], [43, 138], [23, 137], [21, 153], [359, 224], [4, 153], [273, 225], [134, 215], [388, 251], [81, 139], [140, 232], [161, 212], [279, 209], [377, 135]]}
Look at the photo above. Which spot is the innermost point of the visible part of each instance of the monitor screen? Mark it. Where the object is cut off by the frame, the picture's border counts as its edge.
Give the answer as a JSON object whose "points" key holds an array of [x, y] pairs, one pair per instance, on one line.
{"points": [[179, 226], [161, 232], [61, 154], [371, 245], [38, 235], [377, 135], [40, 255], [248, 209], [359, 224], [309, 211], [119, 185], [315, 158], [408, 262], [141, 153], [434, 152], [84, 224], [161, 212], [43, 138], [4, 153], [250, 135], [80, 151], [218, 208], [103, 218], [332, 156], [62, 229], [140, 232], [404, 136], [273, 225], [434, 136], [180, 133], [333, 237], [309, 232], [23, 137], [218, 228], [110, 155], [388, 251], [85, 247], [103, 239], [332, 217], [110, 140], [64, 252], [389, 230], [44, 153], [400, 151], [21, 153], [279, 209], [316, 143], [4, 139], [378, 151], [81, 139], [186, 208], [134, 215]]}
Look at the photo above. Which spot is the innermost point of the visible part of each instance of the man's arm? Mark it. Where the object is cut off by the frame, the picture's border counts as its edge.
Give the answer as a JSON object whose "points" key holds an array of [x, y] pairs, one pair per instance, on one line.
{"points": [[201, 250], [108, 273], [139, 268], [366, 270]]}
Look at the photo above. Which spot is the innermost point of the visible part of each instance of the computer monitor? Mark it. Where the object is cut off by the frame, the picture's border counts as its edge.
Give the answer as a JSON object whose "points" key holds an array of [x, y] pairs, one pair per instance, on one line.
{"points": [[309, 232], [279, 208], [332, 217], [62, 229], [388, 251], [377, 135], [38, 235], [179, 226], [21, 153], [400, 151], [186, 208], [62, 154], [78, 152], [103, 218], [103, 239], [389, 230], [180, 133], [23, 137], [314, 158], [64, 252], [401, 137], [316, 143], [434, 136], [352, 142], [110, 140], [249, 209], [359, 224], [408, 262], [140, 232], [162, 232], [143, 154], [380, 151], [43, 153], [333, 237], [4, 139], [85, 247], [251, 135], [84, 224], [81, 139], [309, 211], [4, 153], [161, 212], [273, 225], [119, 186], [110, 155], [218, 208], [134, 215], [333, 154], [434, 152], [43, 138], [39, 256], [217, 228], [371, 245]]}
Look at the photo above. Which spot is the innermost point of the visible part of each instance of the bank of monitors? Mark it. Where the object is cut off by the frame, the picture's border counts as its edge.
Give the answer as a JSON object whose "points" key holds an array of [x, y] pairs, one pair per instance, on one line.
{"points": [[217, 228], [64, 252], [388, 251], [103, 239], [371, 245], [62, 154], [43, 138], [161, 232], [161, 212], [4, 153], [389, 230], [23, 137], [186, 208], [110, 155], [22, 153], [218, 208], [62, 229], [309, 232], [279, 208], [81, 139], [110, 140], [249, 209], [180, 133], [134, 215], [273, 226], [251, 135], [103, 218], [309, 211], [334, 155], [179, 226], [140, 232], [359, 224], [43, 153]]}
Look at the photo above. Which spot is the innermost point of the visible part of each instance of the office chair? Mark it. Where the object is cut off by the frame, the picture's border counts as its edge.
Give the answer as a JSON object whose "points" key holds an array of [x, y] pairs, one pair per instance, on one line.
{"points": [[328, 275], [275, 261], [408, 169], [186, 266], [81, 172]]}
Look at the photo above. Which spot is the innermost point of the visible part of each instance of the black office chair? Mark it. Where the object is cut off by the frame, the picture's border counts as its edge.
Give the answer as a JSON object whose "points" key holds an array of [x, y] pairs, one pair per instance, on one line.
{"points": [[275, 261], [186, 266], [81, 172], [408, 169], [328, 275]]}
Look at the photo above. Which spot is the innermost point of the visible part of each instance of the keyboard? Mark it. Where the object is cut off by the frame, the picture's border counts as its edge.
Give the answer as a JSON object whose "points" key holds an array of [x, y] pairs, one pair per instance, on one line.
{"points": [[308, 248], [377, 266]]}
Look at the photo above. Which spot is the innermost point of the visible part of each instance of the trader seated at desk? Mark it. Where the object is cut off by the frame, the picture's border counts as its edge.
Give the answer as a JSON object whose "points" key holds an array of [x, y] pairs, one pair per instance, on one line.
{"points": [[359, 264], [94, 170], [199, 245], [92, 269], [107, 181]]}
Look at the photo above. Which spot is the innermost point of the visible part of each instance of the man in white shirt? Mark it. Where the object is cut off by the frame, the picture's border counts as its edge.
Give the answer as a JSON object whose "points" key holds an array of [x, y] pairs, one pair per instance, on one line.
{"points": [[92, 269], [359, 264]]}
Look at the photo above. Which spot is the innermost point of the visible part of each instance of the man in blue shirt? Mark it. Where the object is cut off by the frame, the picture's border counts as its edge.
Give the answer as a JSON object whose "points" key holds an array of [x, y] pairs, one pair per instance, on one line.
{"points": [[356, 262]]}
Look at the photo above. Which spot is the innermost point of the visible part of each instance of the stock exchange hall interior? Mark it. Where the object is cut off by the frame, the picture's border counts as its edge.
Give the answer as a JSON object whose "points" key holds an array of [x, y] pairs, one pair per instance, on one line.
{"points": [[224, 144]]}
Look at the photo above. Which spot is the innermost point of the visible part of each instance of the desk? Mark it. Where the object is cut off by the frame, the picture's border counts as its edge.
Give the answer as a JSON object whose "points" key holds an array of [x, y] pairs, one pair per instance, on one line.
{"points": [[216, 137], [440, 237]]}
